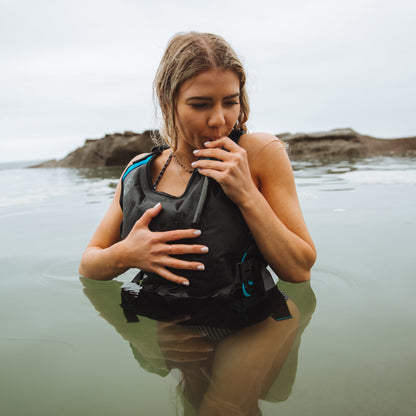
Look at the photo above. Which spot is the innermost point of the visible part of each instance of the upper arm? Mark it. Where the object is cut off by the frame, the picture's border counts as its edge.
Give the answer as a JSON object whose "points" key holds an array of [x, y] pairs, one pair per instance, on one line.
{"points": [[271, 168], [108, 230]]}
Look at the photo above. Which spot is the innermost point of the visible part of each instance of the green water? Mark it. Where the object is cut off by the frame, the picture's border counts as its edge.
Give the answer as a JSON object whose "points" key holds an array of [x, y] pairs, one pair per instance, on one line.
{"points": [[66, 347]]}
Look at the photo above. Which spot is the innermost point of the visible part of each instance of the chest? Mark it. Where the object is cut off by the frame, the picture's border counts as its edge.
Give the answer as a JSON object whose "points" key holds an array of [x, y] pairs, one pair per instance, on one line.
{"points": [[222, 223]]}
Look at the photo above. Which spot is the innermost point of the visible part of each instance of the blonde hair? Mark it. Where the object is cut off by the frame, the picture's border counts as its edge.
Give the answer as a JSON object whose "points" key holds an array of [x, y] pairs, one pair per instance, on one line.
{"points": [[187, 55]]}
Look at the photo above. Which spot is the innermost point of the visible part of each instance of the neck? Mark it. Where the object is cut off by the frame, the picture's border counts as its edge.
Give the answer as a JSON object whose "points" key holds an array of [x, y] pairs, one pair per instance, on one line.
{"points": [[185, 155], [181, 164]]}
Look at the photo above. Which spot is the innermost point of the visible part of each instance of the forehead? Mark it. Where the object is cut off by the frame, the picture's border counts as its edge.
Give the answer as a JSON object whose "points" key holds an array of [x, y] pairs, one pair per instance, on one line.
{"points": [[210, 83]]}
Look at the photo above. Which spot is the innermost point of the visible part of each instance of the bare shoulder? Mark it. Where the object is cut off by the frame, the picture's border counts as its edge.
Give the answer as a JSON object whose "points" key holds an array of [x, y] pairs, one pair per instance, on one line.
{"points": [[137, 158], [265, 153], [255, 143]]}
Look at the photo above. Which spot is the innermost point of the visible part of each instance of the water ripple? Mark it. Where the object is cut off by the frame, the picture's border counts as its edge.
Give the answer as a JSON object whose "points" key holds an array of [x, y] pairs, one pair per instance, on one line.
{"points": [[325, 275]]}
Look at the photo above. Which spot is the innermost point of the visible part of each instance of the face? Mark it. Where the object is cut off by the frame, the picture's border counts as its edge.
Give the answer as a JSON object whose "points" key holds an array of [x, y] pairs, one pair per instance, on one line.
{"points": [[207, 108]]}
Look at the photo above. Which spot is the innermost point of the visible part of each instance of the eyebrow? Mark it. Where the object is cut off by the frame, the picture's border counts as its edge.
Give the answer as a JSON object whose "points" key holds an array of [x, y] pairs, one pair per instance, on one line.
{"points": [[210, 99]]}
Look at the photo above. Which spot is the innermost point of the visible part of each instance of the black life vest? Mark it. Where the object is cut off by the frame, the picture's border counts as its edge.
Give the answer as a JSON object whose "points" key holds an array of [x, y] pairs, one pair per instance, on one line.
{"points": [[233, 266]]}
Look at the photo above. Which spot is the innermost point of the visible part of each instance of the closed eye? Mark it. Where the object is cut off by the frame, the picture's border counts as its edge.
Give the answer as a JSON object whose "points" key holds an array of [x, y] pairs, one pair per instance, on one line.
{"points": [[198, 105], [204, 105], [232, 103]]}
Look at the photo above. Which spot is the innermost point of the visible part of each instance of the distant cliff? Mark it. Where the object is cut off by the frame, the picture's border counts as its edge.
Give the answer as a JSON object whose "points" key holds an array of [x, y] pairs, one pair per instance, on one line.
{"points": [[338, 144]]}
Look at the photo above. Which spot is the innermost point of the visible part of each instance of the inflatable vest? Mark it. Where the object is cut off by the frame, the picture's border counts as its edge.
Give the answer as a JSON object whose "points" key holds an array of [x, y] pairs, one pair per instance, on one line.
{"points": [[233, 266]]}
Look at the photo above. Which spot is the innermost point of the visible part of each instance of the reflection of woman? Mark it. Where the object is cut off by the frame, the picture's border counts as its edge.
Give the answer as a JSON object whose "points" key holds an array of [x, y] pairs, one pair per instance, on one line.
{"points": [[251, 211], [226, 376]]}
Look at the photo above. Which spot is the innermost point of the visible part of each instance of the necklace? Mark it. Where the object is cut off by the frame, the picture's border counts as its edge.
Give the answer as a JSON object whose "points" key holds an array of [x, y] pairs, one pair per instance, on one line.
{"points": [[181, 165], [181, 173]]}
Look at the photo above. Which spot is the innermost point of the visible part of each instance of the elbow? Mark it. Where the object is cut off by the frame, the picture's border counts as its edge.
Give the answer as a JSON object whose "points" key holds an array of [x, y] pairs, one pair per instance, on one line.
{"points": [[301, 270], [89, 273], [304, 274], [93, 268], [83, 270], [311, 259], [299, 276]]}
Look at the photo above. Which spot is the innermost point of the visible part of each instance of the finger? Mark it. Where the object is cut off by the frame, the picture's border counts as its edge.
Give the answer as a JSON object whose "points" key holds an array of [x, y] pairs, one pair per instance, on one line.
{"points": [[179, 249], [182, 264], [166, 274], [224, 142], [149, 214], [216, 175], [214, 153], [209, 164], [174, 235]]}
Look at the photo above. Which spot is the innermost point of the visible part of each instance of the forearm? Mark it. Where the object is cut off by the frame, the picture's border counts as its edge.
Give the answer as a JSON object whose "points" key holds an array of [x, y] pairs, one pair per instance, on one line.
{"points": [[102, 263], [290, 256]]}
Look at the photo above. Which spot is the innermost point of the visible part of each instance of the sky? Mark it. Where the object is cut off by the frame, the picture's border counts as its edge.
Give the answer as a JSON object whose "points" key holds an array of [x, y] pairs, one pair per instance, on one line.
{"points": [[72, 70]]}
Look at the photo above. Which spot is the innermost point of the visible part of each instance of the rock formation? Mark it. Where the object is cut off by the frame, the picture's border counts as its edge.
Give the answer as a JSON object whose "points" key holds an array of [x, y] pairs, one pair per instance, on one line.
{"points": [[338, 144], [111, 150]]}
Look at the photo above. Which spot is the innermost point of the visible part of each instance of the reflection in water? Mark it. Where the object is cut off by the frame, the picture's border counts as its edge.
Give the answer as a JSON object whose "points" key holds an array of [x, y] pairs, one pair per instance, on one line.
{"points": [[100, 172], [226, 356]]}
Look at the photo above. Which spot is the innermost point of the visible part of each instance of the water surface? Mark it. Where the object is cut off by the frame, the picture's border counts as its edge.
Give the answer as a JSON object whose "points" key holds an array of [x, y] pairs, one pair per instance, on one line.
{"points": [[354, 351]]}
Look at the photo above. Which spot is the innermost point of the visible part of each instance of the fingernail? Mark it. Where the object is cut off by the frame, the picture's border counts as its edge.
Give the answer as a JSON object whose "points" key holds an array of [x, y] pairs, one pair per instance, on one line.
{"points": [[201, 267], [196, 151], [185, 283], [193, 164], [207, 143], [204, 250], [157, 205], [197, 232]]}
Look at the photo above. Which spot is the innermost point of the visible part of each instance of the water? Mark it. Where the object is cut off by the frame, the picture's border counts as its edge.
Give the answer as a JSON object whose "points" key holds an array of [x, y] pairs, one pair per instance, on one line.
{"points": [[66, 347]]}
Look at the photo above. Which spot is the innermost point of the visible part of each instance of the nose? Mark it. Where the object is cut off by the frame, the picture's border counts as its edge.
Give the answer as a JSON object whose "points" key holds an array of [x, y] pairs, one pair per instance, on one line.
{"points": [[216, 118]]}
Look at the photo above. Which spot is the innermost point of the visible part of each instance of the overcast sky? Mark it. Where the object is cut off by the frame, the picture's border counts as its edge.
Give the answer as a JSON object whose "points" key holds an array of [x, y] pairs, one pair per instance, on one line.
{"points": [[78, 69]]}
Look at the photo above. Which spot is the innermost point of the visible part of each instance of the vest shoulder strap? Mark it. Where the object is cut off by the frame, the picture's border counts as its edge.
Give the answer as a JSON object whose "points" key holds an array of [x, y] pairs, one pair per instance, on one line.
{"points": [[142, 161]]}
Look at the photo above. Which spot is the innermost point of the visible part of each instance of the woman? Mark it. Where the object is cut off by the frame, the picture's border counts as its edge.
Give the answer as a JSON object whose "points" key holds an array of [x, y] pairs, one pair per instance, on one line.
{"points": [[217, 244]]}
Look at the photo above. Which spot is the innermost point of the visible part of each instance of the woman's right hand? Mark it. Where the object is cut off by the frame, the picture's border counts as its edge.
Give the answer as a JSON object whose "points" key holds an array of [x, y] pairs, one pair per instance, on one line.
{"points": [[152, 251]]}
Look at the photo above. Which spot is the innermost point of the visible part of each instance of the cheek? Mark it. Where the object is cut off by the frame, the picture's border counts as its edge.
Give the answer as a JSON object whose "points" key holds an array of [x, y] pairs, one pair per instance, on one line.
{"points": [[235, 114], [192, 122], [183, 120]]}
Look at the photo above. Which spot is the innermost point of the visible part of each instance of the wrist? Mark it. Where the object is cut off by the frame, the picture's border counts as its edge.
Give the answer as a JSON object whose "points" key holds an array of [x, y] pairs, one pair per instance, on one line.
{"points": [[247, 199], [118, 254]]}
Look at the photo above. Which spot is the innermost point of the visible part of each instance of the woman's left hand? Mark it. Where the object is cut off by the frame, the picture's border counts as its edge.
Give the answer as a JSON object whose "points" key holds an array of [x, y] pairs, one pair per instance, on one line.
{"points": [[228, 165]]}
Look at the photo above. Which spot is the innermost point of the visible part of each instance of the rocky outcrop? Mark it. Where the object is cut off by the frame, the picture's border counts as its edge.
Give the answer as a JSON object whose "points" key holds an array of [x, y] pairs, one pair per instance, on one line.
{"points": [[341, 144], [338, 144], [112, 150]]}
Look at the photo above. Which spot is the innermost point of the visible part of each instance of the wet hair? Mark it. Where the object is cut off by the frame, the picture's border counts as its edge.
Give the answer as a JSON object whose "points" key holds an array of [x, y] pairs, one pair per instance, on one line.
{"points": [[188, 55]]}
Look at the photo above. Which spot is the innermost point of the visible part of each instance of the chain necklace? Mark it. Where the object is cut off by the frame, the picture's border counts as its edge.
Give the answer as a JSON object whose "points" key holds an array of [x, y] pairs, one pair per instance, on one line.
{"points": [[181, 173], [181, 165]]}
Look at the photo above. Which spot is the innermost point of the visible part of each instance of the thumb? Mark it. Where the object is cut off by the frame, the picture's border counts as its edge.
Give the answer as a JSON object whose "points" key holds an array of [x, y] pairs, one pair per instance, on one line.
{"points": [[149, 214]]}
